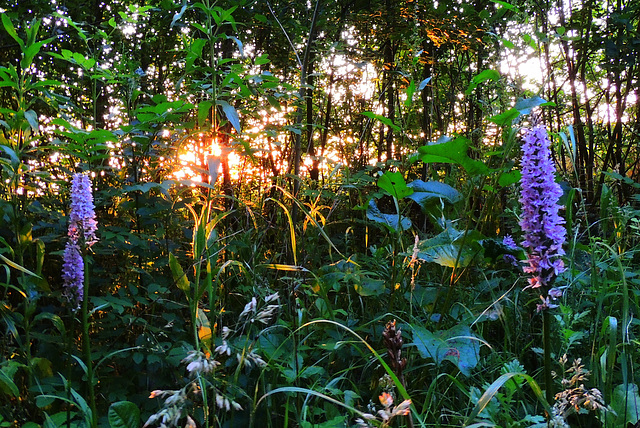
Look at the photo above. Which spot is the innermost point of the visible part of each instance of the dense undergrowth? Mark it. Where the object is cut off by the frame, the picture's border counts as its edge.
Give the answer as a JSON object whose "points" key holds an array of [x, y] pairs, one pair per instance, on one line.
{"points": [[384, 295]]}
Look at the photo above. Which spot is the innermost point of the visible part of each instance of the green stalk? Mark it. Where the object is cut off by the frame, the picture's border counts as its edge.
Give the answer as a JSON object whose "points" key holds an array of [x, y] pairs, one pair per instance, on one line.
{"points": [[86, 346], [546, 339]]}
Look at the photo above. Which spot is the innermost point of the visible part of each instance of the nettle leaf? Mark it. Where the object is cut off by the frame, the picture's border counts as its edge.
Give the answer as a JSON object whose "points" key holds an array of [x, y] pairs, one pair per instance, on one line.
{"points": [[394, 184], [458, 345], [452, 151], [392, 221], [426, 193], [124, 414]]}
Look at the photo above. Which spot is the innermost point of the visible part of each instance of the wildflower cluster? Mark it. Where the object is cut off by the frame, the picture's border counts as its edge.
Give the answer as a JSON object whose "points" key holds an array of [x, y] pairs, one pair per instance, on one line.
{"points": [[544, 233], [82, 234]]}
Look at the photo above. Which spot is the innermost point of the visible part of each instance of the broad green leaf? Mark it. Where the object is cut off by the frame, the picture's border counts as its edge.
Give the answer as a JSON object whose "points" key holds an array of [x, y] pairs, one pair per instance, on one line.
{"points": [[382, 119], [392, 221], [505, 118], [394, 184], [509, 178], [458, 345], [481, 78], [452, 151], [445, 249], [231, 114], [178, 274], [626, 404], [425, 193], [369, 287], [526, 105]]}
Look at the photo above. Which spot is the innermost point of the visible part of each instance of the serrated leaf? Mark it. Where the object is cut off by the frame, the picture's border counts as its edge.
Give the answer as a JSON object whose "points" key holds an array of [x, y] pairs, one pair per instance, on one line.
{"points": [[392, 221], [425, 193]]}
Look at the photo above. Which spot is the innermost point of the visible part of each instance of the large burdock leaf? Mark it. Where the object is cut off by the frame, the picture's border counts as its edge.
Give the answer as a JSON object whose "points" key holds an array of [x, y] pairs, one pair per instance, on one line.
{"points": [[394, 184], [453, 151], [425, 193], [458, 345], [392, 221], [626, 404], [447, 249]]}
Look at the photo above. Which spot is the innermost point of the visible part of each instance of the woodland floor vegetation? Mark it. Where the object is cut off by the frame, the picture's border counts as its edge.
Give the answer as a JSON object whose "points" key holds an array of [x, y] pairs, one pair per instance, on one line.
{"points": [[324, 214]]}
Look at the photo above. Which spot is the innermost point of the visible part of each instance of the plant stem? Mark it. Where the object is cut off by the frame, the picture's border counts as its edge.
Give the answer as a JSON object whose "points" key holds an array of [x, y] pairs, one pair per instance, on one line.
{"points": [[86, 346], [546, 338]]}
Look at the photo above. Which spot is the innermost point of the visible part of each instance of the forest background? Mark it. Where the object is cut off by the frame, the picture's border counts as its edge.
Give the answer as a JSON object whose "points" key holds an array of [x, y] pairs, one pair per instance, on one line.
{"points": [[302, 209]]}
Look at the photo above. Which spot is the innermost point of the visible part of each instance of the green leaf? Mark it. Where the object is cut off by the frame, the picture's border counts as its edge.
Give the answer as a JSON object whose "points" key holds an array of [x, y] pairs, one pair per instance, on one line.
{"points": [[445, 249], [426, 193], [382, 119], [424, 83], [124, 414], [369, 287], [452, 151], [458, 345], [394, 184], [7, 385], [392, 221], [411, 89], [9, 28], [178, 274], [203, 112], [506, 118], [231, 114], [526, 105], [626, 404], [32, 118], [509, 178], [481, 78]]}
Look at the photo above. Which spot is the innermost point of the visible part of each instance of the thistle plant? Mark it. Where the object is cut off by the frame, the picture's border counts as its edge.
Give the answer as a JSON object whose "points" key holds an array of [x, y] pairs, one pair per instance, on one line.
{"points": [[544, 233]]}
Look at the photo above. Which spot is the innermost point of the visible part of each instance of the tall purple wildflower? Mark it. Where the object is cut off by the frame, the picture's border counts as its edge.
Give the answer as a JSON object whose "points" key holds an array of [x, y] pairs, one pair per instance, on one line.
{"points": [[544, 233], [82, 235]]}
